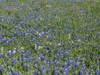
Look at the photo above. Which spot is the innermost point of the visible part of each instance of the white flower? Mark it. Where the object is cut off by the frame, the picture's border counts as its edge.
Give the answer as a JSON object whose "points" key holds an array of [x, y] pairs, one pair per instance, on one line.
{"points": [[22, 3], [69, 36], [22, 48], [26, 34], [78, 40], [14, 52], [47, 36], [50, 43], [48, 6], [72, 41], [37, 32], [14, 48], [1, 49], [9, 52], [30, 8], [59, 44], [40, 47], [88, 43], [58, 18], [35, 46], [40, 34]]}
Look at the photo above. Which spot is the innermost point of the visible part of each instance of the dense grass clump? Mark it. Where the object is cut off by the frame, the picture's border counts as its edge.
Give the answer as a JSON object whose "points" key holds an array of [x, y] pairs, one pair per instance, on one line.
{"points": [[49, 37]]}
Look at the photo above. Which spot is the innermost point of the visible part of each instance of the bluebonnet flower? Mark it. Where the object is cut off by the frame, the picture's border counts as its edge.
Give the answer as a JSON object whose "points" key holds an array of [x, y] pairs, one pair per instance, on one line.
{"points": [[81, 72], [33, 40], [62, 56], [57, 63], [10, 73], [98, 34], [55, 69], [91, 69], [92, 53], [59, 57], [30, 59], [39, 73], [23, 55], [26, 67], [42, 57], [66, 72], [98, 55], [55, 59], [2, 68], [75, 73], [4, 40], [57, 73], [86, 72], [66, 54], [6, 64], [51, 62], [67, 30], [24, 60], [14, 72], [36, 60], [35, 72], [5, 21], [44, 63], [76, 65], [0, 37], [49, 71], [75, 44], [97, 72], [60, 31], [14, 62], [69, 68], [79, 39], [8, 42], [78, 59], [10, 53], [43, 71], [66, 60], [71, 63], [20, 73], [22, 52], [65, 65], [45, 58], [41, 67], [83, 11], [36, 65], [83, 67], [1, 55], [62, 69], [97, 63], [14, 53]]}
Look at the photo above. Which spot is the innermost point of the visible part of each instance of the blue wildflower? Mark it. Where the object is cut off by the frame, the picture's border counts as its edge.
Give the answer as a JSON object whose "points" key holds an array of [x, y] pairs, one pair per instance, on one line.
{"points": [[81, 72], [2, 68], [10, 73], [26, 67], [97, 72]]}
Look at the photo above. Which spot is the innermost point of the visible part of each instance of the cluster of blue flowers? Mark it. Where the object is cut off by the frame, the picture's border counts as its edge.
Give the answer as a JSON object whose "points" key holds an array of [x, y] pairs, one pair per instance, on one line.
{"points": [[49, 38]]}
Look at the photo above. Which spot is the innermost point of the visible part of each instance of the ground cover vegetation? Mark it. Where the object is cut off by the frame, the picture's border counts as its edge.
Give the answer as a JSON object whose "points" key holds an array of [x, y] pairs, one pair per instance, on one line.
{"points": [[49, 37]]}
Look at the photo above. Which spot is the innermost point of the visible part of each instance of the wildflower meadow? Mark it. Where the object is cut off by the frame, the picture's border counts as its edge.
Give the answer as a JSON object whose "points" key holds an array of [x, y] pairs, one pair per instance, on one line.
{"points": [[49, 37]]}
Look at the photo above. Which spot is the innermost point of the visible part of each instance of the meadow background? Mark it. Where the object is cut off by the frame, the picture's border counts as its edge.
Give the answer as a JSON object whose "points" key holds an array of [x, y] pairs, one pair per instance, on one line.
{"points": [[49, 37]]}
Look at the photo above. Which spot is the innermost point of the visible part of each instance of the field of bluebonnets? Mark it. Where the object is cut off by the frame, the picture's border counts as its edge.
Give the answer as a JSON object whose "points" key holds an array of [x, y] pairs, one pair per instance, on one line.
{"points": [[49, 37]]}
